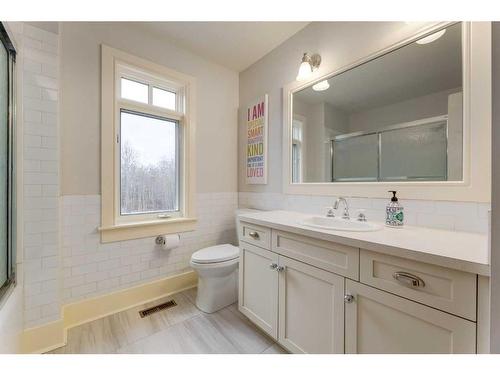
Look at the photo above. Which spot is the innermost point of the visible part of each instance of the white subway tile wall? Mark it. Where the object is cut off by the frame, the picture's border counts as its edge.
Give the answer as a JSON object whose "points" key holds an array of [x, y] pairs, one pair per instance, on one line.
{"points": [[42, 271], [459, 216], [91, 268]]}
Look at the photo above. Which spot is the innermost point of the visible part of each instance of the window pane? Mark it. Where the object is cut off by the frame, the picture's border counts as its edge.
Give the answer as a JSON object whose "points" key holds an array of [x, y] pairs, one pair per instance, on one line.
{"points": [[164, 98], [296, 162], [149, 164], [134, 90], [297, 130]]}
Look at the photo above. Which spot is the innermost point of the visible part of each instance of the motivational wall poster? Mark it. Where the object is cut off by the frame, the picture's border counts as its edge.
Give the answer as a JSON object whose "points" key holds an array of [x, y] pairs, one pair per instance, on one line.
{"points": [[256, 118]]}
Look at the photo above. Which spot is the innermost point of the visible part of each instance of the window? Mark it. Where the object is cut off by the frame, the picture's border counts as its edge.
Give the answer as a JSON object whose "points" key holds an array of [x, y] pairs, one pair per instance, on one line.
{"points": [[297, 149], [7, 118], [147, 158]]}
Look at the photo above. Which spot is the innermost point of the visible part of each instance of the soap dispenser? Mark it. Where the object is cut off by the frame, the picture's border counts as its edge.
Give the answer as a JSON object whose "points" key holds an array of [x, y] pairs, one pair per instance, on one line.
{"points": [[394, 212]]}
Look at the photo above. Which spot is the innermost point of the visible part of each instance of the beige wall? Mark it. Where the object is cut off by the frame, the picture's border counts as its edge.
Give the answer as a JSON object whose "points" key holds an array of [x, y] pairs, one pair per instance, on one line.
{"points": [[435, 104], [217, 98]]}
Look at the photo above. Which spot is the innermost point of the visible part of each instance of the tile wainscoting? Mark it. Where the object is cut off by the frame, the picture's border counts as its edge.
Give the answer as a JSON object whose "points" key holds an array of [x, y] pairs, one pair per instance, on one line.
{"points": [[91, 268], [460, 216]]}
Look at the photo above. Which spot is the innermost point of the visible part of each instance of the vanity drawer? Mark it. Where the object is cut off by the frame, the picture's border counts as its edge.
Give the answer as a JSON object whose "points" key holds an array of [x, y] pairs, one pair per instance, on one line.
{"points": [[255, 235], [443, 288], [329, 256]]}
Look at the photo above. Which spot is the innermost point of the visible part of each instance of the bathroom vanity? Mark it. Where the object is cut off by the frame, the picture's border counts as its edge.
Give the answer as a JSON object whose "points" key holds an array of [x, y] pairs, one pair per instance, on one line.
{"points": [[410, 290]]}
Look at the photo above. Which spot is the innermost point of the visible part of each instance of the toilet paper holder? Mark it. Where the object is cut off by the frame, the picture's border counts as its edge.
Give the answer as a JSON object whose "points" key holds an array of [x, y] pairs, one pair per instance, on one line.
{"points": [[160, 240], [168, 241]]}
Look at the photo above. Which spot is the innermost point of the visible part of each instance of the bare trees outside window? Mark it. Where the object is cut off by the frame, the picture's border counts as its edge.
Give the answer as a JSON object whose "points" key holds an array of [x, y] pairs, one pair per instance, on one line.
{"points": [[149, 173]]}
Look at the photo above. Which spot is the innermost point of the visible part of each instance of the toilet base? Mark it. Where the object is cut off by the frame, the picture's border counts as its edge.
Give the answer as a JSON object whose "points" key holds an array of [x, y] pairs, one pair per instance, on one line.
{"points": [[215, 293]]}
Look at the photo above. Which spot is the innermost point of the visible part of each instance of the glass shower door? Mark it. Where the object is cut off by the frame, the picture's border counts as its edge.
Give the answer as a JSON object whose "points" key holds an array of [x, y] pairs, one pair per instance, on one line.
{"points": [[4, 164]]}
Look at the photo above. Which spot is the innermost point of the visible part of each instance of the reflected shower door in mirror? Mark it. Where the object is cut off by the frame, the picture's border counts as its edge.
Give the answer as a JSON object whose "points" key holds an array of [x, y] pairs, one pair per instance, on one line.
{"points": [[398, 117]]}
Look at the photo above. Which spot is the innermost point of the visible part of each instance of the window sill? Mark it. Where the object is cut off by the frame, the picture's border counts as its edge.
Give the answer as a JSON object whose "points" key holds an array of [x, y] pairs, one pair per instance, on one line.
{"points": [[134, 230]]}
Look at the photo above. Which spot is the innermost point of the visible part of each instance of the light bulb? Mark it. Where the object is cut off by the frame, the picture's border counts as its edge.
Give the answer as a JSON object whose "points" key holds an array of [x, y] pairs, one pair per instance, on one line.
{"points": [[321, 86], [431, 38], [305, 71]]}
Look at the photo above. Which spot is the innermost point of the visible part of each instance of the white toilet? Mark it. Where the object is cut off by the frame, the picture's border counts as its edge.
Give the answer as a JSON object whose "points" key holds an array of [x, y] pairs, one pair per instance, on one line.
{"points": [[217, 268]]}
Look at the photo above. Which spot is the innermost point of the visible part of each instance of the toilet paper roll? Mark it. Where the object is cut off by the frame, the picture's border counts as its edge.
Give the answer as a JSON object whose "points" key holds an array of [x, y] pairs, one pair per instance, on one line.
{"points": [[171, 241]]}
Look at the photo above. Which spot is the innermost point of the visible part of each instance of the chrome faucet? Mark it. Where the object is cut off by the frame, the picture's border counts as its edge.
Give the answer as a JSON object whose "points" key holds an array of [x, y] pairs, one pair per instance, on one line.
{"points": [[346, 207]]}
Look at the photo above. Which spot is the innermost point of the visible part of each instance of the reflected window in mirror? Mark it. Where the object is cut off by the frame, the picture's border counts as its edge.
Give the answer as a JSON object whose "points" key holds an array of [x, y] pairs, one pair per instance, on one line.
{"points": [[398, 117], [297, 149]]}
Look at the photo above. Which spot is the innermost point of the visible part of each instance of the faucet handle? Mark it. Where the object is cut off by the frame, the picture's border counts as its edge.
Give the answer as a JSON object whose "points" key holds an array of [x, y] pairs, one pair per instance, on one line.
{"points": [[330, 212], [362, 215]]}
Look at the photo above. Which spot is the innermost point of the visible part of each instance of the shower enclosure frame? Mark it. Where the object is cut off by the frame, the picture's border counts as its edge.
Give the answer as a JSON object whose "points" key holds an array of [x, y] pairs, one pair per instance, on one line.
{"points": [[11, 192]]}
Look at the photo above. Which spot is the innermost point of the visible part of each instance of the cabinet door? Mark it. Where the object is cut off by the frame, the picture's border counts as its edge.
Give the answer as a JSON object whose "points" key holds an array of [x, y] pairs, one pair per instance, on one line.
{"points": [[258, 287], [380, 322], [311, 308]]}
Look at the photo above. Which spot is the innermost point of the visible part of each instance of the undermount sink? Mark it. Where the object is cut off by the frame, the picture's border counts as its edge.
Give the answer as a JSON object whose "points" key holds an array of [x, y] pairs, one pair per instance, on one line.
{"points": [[334, 223]]}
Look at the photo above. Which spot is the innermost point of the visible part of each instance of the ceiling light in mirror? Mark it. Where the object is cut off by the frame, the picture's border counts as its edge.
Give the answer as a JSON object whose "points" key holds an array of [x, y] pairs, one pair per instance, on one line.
{"points": [[431, 38], [321, 86]]}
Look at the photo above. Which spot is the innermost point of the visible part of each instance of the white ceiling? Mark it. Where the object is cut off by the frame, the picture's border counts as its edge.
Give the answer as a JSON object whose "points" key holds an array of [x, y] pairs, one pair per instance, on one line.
{"points": [[411, 71], [235, 45]]}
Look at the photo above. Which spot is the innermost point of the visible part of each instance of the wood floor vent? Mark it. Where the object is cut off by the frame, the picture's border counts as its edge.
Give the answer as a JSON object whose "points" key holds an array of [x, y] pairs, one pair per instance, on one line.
{"points": [[157, 308]]}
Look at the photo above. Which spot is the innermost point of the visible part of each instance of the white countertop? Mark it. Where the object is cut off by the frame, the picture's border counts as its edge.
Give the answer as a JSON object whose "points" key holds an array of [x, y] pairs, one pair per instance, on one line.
{"points": [[458, 250]]}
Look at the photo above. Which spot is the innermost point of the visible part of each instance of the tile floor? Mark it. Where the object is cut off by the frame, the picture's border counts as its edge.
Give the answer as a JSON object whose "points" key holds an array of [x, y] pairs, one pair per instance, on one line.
{"points": [[182, 329]]}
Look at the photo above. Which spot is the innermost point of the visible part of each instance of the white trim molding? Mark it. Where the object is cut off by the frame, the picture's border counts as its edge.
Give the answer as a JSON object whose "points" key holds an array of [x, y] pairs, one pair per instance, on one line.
{"points": [[111, 228], [476, 183]]}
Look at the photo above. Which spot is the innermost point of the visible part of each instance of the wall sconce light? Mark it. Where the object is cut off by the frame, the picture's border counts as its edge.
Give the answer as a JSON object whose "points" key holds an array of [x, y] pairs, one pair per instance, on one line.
{"points": [[308, 65]]}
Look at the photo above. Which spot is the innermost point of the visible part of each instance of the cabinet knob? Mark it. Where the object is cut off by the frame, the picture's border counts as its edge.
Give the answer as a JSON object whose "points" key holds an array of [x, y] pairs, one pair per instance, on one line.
{"points": [[280, 269], [349, 298], [273, 266]]}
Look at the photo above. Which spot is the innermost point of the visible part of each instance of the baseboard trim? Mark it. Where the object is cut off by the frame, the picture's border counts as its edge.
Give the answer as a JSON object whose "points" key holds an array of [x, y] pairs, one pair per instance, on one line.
{"points": [[53, 335], [43, 338]]}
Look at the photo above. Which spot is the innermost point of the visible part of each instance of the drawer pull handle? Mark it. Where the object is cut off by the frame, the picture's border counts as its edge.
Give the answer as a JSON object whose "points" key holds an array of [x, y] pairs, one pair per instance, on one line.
{"points": [[408, 279], [273, 266], [254, 235], [280, 269]]}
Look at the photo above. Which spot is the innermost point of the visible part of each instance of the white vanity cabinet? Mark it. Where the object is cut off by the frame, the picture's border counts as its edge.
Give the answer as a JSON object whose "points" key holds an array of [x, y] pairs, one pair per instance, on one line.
{"points": [[300, 306], [311, 309], [317, 296], [378, 322], [258, 287]]}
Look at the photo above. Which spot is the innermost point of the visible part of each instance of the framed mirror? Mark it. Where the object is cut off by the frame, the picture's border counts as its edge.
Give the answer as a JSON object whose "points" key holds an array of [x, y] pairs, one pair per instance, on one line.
{"points": [[395, 117]]}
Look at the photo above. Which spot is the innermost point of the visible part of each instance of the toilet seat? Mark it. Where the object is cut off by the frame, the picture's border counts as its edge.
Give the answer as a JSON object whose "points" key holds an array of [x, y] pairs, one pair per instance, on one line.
{"points": [[216, 254]]}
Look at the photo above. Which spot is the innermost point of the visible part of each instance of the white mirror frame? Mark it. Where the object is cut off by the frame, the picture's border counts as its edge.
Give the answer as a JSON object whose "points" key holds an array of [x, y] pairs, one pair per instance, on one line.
{"points": [[476, 83]]}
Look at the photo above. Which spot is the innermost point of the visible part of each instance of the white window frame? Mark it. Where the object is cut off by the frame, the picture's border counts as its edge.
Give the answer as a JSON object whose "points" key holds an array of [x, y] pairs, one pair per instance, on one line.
{"points": [[116, 65]]}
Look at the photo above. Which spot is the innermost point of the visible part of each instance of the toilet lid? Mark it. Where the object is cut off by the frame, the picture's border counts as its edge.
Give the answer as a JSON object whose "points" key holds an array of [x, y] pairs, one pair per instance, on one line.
{"points": [[214, 254]]}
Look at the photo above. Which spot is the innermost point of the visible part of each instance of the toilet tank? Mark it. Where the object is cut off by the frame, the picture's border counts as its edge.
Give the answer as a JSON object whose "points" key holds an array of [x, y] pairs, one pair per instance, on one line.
{"points": [[240, 211]]}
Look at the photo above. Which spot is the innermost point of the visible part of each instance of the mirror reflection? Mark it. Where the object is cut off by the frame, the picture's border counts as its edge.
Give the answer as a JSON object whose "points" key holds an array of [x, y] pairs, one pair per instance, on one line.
{"points": [[398, 117]]}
